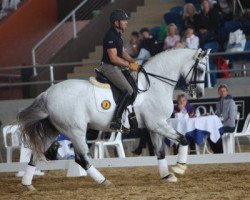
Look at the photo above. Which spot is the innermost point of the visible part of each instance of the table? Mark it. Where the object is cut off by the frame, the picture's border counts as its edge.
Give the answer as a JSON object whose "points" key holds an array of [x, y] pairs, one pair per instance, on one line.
{"points": [[198, 128]]}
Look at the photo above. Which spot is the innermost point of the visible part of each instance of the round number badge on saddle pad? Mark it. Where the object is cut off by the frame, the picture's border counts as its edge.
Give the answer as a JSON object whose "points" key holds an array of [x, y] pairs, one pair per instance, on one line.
{"points": [[106, 104]]}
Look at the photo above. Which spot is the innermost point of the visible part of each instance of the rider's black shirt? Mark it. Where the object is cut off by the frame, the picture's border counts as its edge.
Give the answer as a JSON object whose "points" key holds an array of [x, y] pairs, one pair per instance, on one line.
{"points": [[112, 40]]}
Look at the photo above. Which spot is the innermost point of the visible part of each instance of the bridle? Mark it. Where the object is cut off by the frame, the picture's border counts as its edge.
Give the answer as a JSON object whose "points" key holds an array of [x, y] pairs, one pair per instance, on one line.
{"points": [[192, 86]]}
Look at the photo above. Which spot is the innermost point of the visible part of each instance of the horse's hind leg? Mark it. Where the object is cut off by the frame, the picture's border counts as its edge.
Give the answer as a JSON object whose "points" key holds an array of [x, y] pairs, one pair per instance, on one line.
{"points": [[29, 173], [158, 142], [31, 167], [82, 158]]}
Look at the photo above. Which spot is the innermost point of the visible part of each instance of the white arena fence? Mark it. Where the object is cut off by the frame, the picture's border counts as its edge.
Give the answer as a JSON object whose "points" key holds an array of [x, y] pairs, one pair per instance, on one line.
{"points": [[131, 162]]}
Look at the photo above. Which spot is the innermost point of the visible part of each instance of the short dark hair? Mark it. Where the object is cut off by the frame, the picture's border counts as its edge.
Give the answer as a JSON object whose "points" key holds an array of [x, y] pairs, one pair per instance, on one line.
{"points": [[135, 33], [145, 29], [189, 27]]}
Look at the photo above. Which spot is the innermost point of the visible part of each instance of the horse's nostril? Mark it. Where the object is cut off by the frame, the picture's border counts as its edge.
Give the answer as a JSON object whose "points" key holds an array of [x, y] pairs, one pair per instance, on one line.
{"points": [[199, 95]]}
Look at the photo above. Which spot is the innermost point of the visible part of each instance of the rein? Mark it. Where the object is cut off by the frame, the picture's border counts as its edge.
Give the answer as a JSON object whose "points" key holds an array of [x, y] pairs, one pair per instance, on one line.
{"points": [[161, 78], [168, 80]]}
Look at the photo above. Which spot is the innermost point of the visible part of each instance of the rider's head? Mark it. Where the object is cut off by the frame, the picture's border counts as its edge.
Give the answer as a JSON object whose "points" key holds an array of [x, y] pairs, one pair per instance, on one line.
{"points": [[119, 19]]}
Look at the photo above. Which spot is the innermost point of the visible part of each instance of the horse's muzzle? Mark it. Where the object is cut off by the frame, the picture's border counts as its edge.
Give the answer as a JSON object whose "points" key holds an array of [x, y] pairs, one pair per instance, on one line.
{"points": [[199, 94]]}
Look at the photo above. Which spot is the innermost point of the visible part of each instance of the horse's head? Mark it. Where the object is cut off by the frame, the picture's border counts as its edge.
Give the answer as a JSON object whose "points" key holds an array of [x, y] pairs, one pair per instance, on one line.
{"points": [[194, 73]]}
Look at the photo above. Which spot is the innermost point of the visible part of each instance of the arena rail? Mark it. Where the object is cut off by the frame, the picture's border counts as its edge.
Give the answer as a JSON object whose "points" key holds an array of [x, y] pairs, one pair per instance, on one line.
{"points": [[132, 162], [52, 80]]}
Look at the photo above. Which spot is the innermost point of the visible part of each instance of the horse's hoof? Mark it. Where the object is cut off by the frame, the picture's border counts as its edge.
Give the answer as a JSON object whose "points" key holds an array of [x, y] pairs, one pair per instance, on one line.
{"points": [[31, 188], [179, 169], [107, 183], [171, 178]]}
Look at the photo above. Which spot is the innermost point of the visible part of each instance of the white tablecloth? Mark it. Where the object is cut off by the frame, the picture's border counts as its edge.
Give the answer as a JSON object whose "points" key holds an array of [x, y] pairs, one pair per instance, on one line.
{"points": [[210, 124]]}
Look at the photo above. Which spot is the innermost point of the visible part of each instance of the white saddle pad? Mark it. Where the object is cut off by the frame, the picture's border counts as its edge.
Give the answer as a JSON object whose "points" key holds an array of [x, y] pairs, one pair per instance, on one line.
{"points": [[104, 99]]}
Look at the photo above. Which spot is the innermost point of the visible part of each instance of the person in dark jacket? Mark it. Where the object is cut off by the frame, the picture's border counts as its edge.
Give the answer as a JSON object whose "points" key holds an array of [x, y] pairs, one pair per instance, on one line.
{"points": [[149, 46], [189, 16], [207, 23]]}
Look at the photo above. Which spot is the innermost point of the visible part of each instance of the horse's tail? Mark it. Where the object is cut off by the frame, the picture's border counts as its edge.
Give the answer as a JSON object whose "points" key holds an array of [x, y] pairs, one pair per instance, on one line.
{"points": [[35, 126]]}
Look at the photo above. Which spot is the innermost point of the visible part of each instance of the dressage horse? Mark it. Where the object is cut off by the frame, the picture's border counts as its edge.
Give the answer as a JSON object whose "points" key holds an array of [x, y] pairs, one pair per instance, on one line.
{"points": [[69, 107]]}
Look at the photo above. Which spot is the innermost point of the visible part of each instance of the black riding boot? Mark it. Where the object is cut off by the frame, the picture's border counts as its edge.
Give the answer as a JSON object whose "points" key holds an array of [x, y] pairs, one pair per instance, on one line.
{"points": [[122, 104]]}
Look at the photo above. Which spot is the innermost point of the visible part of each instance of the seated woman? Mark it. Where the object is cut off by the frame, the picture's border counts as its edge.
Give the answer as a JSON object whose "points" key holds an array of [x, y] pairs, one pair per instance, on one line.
{"points": [[172, 37], [207, 23], [189, 16], [183, 108], [226, 111]]}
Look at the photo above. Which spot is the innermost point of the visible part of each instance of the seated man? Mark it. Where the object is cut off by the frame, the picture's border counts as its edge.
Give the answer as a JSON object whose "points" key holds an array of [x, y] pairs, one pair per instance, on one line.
{"points": [[149, 46], [226, 110], [133, 46]]}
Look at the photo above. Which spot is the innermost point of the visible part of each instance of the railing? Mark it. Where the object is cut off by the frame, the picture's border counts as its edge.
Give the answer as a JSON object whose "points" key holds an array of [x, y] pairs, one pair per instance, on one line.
{"points": [[51, 80], [226, 54], [67, 29]]}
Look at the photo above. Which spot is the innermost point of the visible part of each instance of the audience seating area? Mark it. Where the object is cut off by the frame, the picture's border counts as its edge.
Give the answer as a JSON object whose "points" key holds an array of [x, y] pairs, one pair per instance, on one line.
{"points": [[158, 20]]}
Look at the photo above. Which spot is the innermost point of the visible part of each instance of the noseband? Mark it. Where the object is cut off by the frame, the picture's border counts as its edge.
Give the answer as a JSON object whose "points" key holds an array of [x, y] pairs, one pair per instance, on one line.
{"points": [[192, 85]]}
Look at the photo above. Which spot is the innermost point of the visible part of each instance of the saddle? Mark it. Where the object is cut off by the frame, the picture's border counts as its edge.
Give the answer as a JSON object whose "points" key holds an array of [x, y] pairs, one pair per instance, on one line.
{"points": [[116, 91]]}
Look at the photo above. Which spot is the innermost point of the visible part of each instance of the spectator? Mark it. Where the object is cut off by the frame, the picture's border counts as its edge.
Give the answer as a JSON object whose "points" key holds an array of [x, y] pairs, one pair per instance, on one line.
{"points": [[189, 16], [191, 40], [226, 110], [172, 36], [133, 46], [207, 23], [183, 108], [225, 8], [148, 46]]}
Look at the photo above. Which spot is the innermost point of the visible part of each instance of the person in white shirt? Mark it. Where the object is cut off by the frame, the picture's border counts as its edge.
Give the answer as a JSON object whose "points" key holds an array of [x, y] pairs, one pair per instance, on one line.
{"points": [[190, 39]]}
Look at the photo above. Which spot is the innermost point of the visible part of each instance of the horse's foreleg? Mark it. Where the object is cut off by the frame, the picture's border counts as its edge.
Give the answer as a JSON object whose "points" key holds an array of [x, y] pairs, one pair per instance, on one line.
{"points": [[82, 158], [167, 131], [158, 142]]}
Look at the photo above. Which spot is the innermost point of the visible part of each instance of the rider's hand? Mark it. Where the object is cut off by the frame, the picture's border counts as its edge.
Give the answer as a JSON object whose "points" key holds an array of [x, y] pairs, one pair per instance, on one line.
{"points": [[133, 66]]}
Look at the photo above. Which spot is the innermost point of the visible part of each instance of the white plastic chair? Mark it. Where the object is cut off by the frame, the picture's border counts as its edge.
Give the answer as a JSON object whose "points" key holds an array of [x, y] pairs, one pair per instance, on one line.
{"points": [[228, 138], [98, 139], [205, 148], [14, 133], [244, 133], [114, 140]]}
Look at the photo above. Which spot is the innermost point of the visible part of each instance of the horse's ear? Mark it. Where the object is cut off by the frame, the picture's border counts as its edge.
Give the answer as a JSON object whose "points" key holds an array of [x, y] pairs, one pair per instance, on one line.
{"points": [[206, 53], [197, 54]]}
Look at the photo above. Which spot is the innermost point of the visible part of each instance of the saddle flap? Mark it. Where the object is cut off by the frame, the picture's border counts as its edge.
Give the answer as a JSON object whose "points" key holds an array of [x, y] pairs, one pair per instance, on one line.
{"points": [[100, 77]]}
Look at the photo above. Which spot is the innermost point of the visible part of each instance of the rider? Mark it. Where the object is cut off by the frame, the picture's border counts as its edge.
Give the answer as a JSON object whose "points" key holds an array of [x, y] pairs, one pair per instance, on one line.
{"points": [[114, 60]]}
